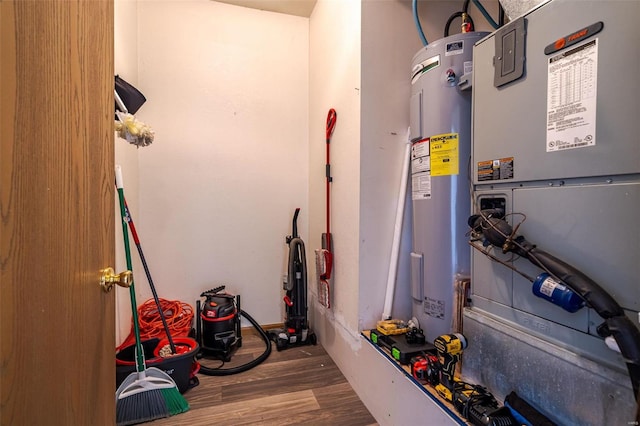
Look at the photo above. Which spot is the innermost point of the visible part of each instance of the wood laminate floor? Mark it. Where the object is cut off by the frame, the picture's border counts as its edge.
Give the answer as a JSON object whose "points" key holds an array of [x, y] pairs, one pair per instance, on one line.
{"points": [[299, 385]]}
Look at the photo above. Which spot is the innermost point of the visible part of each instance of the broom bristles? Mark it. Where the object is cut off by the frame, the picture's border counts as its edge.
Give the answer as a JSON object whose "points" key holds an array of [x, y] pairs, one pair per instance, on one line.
{"points": [[176, 403], [149, 404], [150, 393], [141, 407]]}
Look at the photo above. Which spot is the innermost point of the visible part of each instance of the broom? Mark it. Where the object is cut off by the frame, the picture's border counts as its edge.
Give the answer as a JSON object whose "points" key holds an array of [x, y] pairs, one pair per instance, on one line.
{"points": [[136, 240], [148, 393]]}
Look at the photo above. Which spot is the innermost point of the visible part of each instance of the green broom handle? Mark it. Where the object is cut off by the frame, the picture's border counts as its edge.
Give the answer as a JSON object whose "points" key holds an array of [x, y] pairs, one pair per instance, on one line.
{"points": [[127, 251]]}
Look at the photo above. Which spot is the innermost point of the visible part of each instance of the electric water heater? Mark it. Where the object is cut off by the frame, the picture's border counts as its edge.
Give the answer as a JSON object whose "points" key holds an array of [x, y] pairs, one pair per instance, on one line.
{"points": [[440, 120]]}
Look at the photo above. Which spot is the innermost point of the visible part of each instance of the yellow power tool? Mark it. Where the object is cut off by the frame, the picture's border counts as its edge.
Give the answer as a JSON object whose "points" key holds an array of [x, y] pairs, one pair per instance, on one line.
{"points": [[449, 348], [392, 327]]}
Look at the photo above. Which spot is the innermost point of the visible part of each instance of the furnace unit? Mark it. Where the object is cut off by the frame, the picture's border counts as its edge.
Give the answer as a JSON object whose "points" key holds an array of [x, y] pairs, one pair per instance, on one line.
{"points": [[556, 147]]}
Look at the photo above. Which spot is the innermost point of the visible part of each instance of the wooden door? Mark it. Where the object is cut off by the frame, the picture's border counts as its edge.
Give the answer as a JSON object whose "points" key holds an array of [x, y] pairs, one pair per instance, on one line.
{"points": [[56, 210]]}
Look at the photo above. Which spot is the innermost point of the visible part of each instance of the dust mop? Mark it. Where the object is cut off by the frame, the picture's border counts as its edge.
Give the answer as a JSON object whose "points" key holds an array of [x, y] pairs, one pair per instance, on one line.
{"points": [[129, 128], [148, 393]]}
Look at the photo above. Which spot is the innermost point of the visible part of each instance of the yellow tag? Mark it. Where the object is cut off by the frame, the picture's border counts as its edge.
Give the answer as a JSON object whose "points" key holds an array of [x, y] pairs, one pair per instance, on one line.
{"points": [[444, 154]]}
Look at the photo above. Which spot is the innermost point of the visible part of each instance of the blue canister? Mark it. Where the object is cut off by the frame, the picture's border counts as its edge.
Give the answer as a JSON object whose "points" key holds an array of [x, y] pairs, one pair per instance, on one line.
{"points": [[557, 293]]}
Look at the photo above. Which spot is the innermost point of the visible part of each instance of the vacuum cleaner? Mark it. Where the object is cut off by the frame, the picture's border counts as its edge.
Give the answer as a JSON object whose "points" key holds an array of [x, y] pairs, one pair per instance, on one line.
{"points": [[219, 332], [218, 323], [296, 329]]}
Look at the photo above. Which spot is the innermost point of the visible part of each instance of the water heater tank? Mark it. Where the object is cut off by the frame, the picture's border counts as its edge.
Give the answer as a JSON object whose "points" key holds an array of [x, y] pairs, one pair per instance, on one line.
{"points": [[440, 123]]}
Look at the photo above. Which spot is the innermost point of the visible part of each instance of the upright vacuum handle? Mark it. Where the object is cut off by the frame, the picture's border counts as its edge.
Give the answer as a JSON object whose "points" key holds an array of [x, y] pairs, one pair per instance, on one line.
{"points": [[294, 228]]}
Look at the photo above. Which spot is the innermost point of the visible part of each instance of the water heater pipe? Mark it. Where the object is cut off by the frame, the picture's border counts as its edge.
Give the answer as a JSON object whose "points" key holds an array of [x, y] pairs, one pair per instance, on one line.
{"points": [[397, 233], [416, 20]]}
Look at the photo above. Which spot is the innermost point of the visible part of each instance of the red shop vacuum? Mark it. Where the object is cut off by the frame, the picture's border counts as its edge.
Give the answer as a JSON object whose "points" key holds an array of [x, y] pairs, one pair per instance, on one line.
{"points": [[219, 332], [218, 323], [296, 329]]}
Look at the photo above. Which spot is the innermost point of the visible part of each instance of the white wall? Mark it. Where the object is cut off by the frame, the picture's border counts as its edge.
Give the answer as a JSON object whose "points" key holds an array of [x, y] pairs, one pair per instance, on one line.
{"points": [[126, 155], [227, 91], [367, 173], [334, 82], [238, 99], [386, 63]]}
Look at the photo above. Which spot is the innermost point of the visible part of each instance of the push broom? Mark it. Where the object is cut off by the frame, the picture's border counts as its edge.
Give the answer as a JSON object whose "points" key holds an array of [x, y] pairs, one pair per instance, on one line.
{"points": [[148, 393]]}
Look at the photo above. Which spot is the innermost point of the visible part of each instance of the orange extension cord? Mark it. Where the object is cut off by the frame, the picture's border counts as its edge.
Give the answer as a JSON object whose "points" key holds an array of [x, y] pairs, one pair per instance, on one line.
{"points": [[179, 316]]}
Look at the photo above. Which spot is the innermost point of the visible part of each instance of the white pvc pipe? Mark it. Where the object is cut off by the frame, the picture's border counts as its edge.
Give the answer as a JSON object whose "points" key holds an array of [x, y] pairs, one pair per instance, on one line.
{"points": [[397, 234]]}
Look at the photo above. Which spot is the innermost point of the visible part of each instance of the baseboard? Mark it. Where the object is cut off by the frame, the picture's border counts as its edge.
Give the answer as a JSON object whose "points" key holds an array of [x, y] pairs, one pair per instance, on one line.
{"points": [[252, 330]]}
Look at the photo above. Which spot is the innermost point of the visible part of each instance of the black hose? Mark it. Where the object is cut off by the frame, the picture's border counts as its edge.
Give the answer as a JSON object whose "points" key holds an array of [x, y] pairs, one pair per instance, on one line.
{"points": [[618, 325], [465, 8], [449, 21], [499, 233], [595, 296], [627, 337], [235, 370]]}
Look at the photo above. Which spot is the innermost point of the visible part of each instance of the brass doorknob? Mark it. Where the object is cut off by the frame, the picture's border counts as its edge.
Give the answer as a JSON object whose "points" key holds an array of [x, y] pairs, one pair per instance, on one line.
{"points": [[109, 278]]}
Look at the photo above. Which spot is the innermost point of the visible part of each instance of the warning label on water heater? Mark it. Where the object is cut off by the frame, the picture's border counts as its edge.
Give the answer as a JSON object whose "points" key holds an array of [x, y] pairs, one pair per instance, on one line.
{"points": [[420, 170], [571, 98], [444, 154]]}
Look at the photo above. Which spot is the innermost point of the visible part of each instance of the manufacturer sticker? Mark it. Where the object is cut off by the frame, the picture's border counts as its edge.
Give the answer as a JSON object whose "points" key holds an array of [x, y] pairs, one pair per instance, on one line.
{"points": [[454, 48], [434, 307], [498, 169], [571, 98], [549, 285], [468, 67], [574, 38]]}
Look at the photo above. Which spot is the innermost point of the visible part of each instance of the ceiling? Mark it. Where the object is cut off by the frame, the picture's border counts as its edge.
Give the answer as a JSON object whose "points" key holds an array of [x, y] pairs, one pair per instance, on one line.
{"points": [[290, 7]]}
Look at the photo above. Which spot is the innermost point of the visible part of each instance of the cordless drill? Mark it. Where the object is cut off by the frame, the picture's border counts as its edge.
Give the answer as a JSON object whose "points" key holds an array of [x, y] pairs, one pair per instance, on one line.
{"points": [[473, 402], [449, 348]]}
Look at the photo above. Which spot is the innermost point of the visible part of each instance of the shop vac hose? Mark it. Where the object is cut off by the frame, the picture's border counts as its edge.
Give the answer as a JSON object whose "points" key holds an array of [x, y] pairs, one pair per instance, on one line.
{"points": [[235, 370]]}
